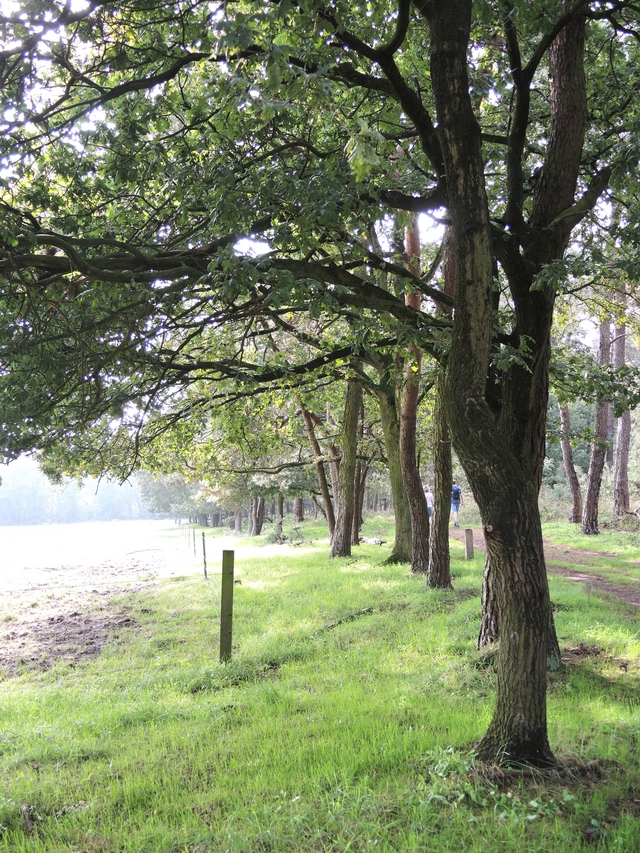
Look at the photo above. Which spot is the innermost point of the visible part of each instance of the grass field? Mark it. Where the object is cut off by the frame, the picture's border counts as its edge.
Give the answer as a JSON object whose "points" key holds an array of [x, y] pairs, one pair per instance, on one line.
{"points": [[345, 721]]}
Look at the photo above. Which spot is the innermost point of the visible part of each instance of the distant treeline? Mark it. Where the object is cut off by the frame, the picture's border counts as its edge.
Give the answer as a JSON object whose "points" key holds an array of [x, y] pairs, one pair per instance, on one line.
{"points": [[27, 497]]}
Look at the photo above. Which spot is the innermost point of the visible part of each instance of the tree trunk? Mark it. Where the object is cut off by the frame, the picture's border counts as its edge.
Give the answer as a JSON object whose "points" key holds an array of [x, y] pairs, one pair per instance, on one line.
{"points": [[309, 422], [623, 436], [621, 502], [259, 516], [598, 445], [401, 551], [362, 469], [439, 557], [408, 426], [503, 474], [279, 513], [298, 509], [490, 620], [238, 521], [569, 467], [252, 517], [439, 554], [341, 542]]}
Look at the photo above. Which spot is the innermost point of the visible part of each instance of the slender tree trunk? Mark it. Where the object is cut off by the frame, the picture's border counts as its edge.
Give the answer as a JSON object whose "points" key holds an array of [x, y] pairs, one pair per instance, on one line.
{"points": [[623, 434], [259, 516], [279, 513], [611, 434], [621, 502], [238, 521], [298, 509], [309, 422], [439, 555], [401, 551], [359, 478], [252, 517], [569, 467], [408, 427], [362, 469], [598, 445], [341, 542]]}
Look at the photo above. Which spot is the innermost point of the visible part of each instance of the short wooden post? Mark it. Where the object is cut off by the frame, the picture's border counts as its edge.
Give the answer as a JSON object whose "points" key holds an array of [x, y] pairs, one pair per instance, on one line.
{"points": [[204, 555], [226, 606], [468, 543]]}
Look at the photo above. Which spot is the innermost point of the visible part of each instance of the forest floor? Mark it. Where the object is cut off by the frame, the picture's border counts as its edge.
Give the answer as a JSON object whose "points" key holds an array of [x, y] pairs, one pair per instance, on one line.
{"points": [[583, 568]]}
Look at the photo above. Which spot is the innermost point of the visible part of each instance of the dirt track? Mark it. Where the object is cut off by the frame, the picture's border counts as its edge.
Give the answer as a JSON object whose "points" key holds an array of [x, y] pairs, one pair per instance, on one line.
{"points": [[555, 554]]}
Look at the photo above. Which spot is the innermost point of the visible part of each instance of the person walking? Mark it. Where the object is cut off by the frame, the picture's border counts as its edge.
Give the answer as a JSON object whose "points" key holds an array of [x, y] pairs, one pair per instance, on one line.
{"points": [[428, 496], [456, 500]]}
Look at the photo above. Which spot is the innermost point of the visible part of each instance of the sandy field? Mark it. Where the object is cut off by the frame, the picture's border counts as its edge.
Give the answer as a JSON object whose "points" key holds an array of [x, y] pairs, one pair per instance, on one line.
{"points": [[61, 585]]}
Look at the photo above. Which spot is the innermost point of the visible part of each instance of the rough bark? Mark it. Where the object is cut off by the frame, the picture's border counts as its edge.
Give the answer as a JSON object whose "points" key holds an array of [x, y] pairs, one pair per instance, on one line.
{"points": [[298, 508], [345, 499], [251, 520], [621, 503], [439, 554], [279, 513], [439, 575], [598, 445], [569, 467], [490, 620], [611, 434], [408, 426], [401, 551], [503, 481], [259, 516], [362, 469]]}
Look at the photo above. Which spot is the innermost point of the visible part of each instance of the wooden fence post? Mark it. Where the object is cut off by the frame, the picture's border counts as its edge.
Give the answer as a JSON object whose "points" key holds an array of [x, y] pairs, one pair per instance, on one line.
{"points": [[468, 543], [204, 555], [226, 606]]}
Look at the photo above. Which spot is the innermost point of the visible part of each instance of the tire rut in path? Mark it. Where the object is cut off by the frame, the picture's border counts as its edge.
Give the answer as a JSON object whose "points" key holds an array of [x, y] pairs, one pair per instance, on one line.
{"points": [[554, 554]]}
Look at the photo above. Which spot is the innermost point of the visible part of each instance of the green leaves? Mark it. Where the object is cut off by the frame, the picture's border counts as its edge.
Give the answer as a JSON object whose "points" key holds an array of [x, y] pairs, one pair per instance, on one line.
{"points": [[361, 150]]}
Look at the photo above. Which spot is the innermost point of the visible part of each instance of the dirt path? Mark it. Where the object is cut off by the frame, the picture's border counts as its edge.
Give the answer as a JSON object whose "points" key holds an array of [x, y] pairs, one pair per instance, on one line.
{"points": [[555, 554]]}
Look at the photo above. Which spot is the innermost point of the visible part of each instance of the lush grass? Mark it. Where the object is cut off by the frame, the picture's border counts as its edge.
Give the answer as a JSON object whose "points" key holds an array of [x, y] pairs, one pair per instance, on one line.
{"points": [[345, 721]]}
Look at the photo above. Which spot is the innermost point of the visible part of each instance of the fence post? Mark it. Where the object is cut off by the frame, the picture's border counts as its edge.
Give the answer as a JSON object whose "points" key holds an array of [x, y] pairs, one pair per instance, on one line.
{"points": [[204, 555], [468, 543], [226, 606]]}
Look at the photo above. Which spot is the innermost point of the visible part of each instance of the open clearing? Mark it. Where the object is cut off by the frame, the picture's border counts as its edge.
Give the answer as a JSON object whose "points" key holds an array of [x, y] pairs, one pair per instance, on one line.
{"points": [[58, 585]]}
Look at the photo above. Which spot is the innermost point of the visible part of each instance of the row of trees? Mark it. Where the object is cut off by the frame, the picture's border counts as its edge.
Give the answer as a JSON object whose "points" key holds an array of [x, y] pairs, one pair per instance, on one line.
{"points": [[141, 142]]}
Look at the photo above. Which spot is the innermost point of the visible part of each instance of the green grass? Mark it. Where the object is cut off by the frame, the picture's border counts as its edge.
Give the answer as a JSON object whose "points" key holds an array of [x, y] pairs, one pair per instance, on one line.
{"points": [[345, 721]]}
